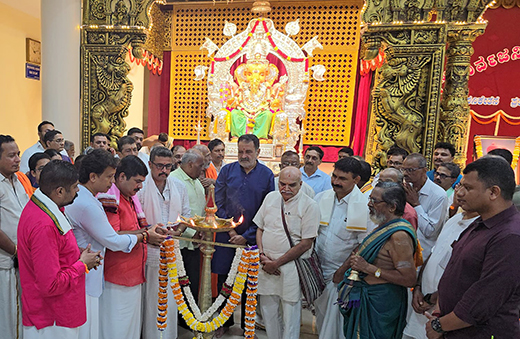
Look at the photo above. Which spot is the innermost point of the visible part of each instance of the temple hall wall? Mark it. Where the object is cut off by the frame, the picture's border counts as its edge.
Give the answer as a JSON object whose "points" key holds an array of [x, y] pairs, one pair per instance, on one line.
{"points": [[20, 98]]}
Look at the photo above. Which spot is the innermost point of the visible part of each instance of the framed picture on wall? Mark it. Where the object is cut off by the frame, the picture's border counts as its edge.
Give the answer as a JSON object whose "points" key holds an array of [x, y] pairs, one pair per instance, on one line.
{"points": [[485, 143]]}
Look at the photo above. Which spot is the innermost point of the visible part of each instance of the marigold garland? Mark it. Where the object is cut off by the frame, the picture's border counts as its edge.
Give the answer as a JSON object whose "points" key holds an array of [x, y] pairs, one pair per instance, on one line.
{"points": [[248, 267]]}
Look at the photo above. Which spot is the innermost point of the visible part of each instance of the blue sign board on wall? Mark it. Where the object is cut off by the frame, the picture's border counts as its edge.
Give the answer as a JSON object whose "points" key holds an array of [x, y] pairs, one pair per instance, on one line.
{"points": [[32, 71]]}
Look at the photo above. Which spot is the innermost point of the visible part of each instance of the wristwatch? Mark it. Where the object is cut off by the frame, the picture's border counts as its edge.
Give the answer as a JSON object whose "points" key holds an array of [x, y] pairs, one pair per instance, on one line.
{"points": [[377, 273], [436, 325]]}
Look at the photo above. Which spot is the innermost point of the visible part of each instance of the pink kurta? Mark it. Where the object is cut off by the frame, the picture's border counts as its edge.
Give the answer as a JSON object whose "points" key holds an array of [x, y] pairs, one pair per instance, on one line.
{"points": [[52, 278]]}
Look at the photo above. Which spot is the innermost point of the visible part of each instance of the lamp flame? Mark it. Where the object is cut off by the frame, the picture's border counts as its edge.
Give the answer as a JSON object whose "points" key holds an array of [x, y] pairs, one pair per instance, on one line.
{"points": [[241, 219], [179, 218], [191, 221]]}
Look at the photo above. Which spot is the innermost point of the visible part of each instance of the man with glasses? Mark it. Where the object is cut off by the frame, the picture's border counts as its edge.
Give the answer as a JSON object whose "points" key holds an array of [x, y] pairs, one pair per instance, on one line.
{"points": [[54, 140], [375, 305], [429, 200], [36, 163], [395, 157], [446, 175], [164, 198], [443, 153], [291, 158]]}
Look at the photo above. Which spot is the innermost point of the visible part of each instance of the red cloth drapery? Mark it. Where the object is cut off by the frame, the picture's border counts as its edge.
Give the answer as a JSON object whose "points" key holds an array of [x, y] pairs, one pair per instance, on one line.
{"points": [[360, 123]]}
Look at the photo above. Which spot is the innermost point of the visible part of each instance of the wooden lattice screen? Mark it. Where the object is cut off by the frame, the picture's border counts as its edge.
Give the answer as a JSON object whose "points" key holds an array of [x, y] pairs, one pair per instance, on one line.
{"points": [[329, 103]]}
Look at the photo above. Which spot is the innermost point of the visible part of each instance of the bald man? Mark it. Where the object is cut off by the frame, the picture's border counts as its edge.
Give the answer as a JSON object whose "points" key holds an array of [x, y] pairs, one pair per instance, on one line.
{"points": [[392, 174], [279, 286], [208, 176]]}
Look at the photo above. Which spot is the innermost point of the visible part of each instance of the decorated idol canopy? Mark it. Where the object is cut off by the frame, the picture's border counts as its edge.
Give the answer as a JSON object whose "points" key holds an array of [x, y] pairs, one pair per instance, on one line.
{"points": [[258, 81]]}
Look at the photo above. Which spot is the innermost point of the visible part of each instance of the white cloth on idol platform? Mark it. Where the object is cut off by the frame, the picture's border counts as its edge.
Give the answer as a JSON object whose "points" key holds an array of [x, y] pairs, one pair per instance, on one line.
{"points": [[120, 312]]}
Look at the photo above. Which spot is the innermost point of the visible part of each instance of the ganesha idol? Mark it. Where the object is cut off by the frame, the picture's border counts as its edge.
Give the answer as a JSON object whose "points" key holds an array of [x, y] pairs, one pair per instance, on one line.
{"points": [[257, 84], [252, 104]]}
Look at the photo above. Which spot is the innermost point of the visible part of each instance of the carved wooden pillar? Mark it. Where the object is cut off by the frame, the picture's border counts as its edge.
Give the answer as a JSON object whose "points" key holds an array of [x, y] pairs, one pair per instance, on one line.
{"points": [[454, 118], [109, 27]]}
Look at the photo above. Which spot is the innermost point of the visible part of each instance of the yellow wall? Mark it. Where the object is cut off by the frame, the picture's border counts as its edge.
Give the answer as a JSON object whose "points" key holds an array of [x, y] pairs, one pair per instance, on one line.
{"points": [[20, 98]]}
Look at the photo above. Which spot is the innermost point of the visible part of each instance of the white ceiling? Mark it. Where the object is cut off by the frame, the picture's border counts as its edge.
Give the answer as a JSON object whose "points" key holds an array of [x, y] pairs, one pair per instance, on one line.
{"points": [[31, 7]]}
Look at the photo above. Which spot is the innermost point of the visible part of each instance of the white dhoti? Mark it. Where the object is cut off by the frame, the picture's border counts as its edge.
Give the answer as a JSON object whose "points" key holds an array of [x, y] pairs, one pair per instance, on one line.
{"points": [[11, 309], [416, 325], [120, 312], [90, 329], [329, 320], [51, 332], [281, 323], [150, 292]]}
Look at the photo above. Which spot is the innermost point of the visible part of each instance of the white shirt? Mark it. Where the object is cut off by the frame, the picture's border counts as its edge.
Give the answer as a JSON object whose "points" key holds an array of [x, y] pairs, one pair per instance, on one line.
{"points": [[306, 189], [335, 243], [37, 147], [12, 202], [145, 158], [302, 217], [431, 214], [434, 269], [170, 209], [90, 226]]}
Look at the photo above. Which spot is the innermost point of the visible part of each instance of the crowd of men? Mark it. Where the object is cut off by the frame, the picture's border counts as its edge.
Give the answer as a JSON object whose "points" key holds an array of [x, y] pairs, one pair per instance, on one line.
{"points": [[407, 253]]}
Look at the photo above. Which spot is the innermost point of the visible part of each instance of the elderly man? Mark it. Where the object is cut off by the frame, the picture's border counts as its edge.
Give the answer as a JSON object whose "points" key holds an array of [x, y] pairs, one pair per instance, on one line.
{"points": [[428, 199], [218, 152], [12, 201], [208, 176], [394, 175], [188, 173], [343, 225], [178, 151], [425, 290], [120, 304], [291, 158], [240, 190], [374, 304], [311, 174], [91, 226], [278, 281], [52, 268], [164, 198], [479, 292]]}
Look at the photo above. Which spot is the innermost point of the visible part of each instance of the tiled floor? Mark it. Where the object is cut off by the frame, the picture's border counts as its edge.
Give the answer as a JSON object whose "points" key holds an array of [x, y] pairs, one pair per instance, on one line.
{"points": [[307, 331]]}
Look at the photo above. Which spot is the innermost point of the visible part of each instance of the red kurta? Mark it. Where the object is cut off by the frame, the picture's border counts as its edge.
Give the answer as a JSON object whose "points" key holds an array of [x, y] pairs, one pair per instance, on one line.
{"points": [[126, 269]]}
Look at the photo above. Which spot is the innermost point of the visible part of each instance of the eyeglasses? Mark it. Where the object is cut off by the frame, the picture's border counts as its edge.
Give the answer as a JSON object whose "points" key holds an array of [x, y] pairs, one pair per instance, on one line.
{"points": [[441, 175], [59, 140], [394, 163], [410, 170], [375, 201], [160, 167]]}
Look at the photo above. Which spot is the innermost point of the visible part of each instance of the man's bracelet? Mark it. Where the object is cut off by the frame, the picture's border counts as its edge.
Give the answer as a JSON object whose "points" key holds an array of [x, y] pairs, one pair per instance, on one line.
{"points": [[436, 325]]}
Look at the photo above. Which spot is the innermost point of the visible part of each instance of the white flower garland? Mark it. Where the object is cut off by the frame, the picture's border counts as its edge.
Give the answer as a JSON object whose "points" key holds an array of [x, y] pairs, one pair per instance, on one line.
{"points": [[187, 291]]}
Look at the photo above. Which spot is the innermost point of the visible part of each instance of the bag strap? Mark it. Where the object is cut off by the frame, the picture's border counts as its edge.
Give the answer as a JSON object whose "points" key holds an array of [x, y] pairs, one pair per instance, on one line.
{"points": [[285, 226]]}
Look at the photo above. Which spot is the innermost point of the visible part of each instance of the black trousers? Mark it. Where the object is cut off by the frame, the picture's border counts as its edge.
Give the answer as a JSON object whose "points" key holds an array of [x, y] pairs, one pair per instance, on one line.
{"points": [[230, 322], [191, 260]]}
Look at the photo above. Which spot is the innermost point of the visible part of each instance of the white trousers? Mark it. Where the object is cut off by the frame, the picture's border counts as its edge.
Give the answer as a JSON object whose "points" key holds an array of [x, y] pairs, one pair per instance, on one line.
{"points": [[90, 329], [11, 305], [150, 296], [281, 322], [329, 320], [51, 332], [120, 312]]}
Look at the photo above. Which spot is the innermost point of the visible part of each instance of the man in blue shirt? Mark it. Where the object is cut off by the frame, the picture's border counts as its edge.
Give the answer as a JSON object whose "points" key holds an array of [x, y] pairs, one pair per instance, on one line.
{"points": [[240, 190], [311, 174], [443, 152]]}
